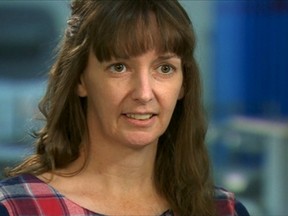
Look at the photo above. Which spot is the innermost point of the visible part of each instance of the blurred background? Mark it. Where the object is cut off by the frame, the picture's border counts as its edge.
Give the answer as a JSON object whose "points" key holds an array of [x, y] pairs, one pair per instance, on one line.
{"points": [[243, 55]]}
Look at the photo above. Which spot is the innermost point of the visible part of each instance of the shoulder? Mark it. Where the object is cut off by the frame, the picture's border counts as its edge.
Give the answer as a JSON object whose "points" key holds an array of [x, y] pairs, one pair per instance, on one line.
{"points": [[227, 204], [21, 195], [20, 186], [13, 186], [27, 195]]}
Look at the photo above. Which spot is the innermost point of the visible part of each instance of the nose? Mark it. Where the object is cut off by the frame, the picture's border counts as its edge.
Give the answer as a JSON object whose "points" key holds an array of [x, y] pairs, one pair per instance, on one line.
{"points": [[143, 89]]}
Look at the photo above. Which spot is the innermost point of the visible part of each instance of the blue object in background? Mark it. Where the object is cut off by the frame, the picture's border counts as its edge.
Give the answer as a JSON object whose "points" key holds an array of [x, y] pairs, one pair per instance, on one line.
{"points": [[251, 67], [28, 37], [266, 55], [28, 34], [251, 80]]}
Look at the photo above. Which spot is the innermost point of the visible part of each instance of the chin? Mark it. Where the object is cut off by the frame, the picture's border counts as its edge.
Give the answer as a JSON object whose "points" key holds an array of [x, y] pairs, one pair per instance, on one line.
{"points": [[140, 141]]}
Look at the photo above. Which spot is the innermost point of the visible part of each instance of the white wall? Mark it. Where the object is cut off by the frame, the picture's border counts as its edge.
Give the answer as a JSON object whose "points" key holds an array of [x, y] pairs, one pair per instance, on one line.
{"points": [[202, 16]]}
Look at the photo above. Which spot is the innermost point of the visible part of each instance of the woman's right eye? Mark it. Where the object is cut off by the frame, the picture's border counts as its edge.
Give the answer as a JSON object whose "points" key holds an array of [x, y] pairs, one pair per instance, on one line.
{"points": [[117, 68]]}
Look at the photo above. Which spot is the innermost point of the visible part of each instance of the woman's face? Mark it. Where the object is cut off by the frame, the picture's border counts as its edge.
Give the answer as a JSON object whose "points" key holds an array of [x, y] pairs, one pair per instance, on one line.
{"points": [[131, 101]]}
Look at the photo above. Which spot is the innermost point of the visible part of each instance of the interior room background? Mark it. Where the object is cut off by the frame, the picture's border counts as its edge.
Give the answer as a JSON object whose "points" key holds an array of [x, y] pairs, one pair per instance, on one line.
{"points": [[242, 52]]}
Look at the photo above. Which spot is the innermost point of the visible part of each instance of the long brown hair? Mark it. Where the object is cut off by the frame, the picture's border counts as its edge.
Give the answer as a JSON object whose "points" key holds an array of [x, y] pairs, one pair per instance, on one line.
{"points": [[126, 28]]}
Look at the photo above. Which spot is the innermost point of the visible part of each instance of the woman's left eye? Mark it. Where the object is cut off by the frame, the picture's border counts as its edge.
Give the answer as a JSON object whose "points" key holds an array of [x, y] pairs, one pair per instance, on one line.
{"points": [[166, 69], [118, 68]]}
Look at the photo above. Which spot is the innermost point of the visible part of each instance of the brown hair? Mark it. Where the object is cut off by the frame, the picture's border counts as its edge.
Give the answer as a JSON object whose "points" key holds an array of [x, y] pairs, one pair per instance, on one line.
{"points": [[126, 28]]}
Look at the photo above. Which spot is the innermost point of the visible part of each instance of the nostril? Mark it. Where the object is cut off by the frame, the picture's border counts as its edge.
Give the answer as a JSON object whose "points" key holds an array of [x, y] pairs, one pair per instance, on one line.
{"points": [[143, 94]]}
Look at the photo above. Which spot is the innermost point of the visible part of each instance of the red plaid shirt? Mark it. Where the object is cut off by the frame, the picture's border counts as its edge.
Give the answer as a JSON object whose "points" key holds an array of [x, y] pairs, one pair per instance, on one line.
{"points": [[26, 195]]}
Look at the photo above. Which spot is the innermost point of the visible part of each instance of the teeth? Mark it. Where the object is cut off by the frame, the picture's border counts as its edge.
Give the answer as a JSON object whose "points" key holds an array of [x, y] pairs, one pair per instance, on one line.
{"points": [[139, 116]]}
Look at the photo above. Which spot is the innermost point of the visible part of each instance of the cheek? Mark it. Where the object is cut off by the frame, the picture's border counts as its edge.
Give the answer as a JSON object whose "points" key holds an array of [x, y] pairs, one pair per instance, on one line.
{"points": [[82, 88], [176, 91], [181, 93], [170, 98], [104, 98], [176, 94]]}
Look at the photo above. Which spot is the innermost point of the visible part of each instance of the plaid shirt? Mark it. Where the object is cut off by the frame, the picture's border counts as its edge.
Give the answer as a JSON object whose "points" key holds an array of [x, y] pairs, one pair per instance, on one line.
{"points": [[26, 195]]}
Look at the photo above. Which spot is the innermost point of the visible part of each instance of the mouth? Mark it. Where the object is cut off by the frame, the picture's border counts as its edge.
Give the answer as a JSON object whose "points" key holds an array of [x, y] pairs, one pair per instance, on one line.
{"points": [[138, 116]]}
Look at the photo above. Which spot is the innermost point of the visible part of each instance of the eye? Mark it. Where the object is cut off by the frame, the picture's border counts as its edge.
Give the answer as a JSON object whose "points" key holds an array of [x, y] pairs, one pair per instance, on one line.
{"points": [[117, 68], [166, 69]]}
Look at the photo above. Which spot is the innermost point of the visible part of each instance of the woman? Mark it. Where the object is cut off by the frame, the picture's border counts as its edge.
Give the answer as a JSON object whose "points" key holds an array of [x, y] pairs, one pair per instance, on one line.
{"points": [[124, 132]]}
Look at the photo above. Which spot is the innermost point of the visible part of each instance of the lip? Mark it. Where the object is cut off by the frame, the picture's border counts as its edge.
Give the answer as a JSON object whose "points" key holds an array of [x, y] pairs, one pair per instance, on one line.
{"points": [[139, 116], [147, 122]]}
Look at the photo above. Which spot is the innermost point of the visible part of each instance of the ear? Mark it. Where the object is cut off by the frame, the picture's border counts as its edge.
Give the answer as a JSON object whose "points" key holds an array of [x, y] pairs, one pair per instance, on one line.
{"points": [[181, 93], [81, 87]]}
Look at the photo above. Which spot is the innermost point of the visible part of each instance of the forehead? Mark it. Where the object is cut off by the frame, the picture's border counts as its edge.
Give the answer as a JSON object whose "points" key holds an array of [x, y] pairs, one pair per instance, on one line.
{"points": [[134, 31], [148, 56]]}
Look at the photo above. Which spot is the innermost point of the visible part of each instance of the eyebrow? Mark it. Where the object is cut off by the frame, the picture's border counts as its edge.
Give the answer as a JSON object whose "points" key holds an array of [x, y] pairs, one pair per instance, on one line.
{"points": [[167, 56], [161, 57]]}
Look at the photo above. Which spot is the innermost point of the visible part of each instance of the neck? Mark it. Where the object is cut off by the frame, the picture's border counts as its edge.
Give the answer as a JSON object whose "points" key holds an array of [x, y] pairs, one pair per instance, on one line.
{"points": [[117, 166], [122, 177]]}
